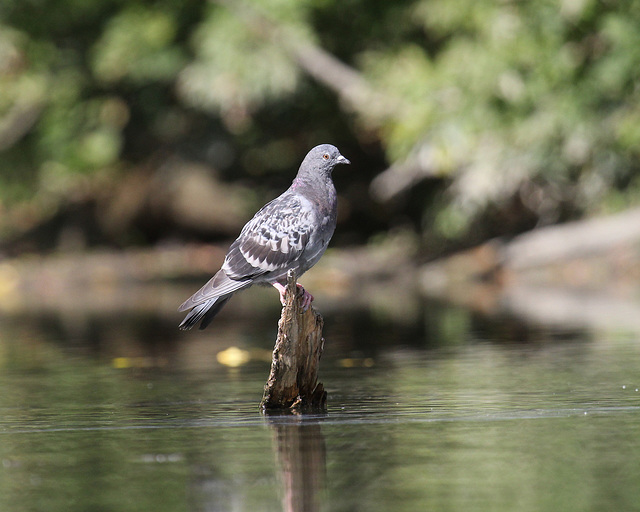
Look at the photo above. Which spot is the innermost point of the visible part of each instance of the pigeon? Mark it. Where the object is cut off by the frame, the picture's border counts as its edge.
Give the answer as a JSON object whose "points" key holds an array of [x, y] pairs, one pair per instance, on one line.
{"points": [[290, 232]]}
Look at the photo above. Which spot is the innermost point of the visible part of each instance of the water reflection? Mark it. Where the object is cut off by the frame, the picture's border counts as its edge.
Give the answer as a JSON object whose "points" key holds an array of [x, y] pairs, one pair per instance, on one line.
{"points": [[300, 452], [453, 411]]}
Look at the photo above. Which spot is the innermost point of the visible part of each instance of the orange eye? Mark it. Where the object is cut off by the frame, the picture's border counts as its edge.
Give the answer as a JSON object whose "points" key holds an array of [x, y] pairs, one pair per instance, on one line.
{"points": [[326, 156]]}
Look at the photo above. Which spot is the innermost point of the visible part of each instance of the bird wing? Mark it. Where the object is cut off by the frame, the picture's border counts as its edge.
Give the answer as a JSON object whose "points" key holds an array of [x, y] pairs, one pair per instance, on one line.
{"points": [[273, 240], [270, 242]]}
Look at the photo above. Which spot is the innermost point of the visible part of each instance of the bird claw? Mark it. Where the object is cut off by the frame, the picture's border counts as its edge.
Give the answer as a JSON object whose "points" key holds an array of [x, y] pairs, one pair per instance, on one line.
{"points": [[307, 298]]}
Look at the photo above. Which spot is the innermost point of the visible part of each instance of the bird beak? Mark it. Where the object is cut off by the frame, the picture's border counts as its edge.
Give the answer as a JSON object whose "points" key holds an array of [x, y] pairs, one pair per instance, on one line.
{"points": [[342, 160]]}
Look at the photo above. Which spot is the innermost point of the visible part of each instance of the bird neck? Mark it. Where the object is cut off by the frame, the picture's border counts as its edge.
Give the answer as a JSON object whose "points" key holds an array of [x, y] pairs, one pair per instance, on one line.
{"points": [[305, 183], [320, 190]]}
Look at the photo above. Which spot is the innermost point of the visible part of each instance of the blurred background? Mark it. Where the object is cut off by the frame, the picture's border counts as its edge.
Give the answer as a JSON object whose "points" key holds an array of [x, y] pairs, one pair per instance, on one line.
{"points": [[480, 294], [495, 150], [163, 124]]}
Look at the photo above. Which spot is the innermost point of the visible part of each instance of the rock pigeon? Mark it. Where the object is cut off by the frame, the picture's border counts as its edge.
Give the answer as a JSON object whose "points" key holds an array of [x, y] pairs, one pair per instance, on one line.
{"points": [[290, 232]]}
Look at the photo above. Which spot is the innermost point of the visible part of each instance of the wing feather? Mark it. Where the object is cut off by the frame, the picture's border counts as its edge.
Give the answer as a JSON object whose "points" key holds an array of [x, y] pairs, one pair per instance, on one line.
{"points": [[275, 237], [269, 244]]}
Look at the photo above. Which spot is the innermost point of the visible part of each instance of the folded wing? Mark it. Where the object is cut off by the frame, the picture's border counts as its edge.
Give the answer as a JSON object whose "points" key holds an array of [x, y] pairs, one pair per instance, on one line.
{"points": [[271, 243]]}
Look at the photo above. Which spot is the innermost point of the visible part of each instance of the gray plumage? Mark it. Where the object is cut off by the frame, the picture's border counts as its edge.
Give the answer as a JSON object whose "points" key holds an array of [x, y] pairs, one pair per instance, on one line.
{"points": [[290, 232]]}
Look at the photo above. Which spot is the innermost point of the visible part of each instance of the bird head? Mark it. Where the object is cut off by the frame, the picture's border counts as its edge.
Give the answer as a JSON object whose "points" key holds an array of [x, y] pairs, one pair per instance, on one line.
{"points": [[322, 159]]}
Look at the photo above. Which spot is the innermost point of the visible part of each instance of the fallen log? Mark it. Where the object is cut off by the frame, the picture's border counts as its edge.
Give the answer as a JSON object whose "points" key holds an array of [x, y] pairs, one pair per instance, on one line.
{"points": [[593, 248]]}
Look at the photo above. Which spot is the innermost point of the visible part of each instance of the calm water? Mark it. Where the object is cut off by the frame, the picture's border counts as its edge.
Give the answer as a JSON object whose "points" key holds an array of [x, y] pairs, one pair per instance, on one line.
{"points": [[448, 412]]}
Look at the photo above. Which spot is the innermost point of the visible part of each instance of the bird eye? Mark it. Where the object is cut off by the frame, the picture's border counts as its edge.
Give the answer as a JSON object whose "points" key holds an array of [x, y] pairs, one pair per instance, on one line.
{"points": [[326, 156]]}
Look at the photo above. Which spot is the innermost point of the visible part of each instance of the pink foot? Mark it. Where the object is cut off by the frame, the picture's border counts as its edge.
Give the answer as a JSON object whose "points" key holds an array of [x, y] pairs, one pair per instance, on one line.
{"points": [[281, 289], [307, 298]]}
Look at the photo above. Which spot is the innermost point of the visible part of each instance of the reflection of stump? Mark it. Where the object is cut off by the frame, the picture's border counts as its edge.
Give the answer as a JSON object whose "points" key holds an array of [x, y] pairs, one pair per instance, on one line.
{"points": [[293, 381], [302, 463]]}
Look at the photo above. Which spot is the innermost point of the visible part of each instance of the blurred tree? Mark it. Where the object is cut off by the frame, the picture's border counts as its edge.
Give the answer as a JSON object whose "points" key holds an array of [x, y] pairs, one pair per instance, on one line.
{"points": [[532, 101], [85, 87], [516, 113]]}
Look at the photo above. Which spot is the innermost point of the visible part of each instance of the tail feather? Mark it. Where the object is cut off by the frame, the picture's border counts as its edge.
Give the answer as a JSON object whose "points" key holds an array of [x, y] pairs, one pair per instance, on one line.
{"points": [[213, 311], [219, 285], [205, 312], [210, 299]]}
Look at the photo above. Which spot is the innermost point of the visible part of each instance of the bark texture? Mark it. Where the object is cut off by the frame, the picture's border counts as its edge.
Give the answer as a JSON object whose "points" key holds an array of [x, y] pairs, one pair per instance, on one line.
{"points": [[293, 381]]}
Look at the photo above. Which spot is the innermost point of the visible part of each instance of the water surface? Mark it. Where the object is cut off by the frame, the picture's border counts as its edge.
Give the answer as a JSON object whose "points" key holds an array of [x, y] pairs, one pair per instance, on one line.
{"points": [[453, 412]]}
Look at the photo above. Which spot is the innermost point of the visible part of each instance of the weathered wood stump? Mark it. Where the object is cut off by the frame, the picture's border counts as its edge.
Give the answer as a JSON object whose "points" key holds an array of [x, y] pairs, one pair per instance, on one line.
{"points": [[293, 382]]}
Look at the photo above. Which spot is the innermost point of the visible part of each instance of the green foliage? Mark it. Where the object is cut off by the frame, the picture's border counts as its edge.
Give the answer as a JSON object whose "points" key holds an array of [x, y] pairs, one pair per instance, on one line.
{"points": [[137, 45], [516, 92], [535, 102], [235, 71], [69, 81]]}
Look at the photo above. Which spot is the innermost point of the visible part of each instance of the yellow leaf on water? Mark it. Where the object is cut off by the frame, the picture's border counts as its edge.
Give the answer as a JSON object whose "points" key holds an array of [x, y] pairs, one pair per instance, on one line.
{"points": [[233, 357]]}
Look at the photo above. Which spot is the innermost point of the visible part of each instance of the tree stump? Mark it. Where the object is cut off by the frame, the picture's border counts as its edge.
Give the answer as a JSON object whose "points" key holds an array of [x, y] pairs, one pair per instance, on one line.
{"points": [[293, 382]]}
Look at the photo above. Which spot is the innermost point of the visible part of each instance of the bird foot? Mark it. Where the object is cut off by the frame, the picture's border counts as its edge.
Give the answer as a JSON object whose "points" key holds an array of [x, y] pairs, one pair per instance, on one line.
{"points": [[307, 298]]}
